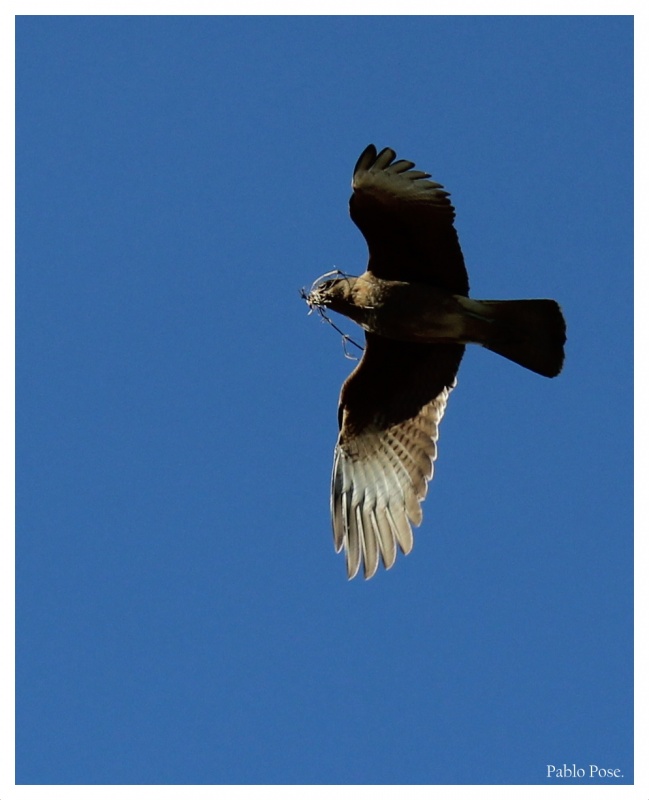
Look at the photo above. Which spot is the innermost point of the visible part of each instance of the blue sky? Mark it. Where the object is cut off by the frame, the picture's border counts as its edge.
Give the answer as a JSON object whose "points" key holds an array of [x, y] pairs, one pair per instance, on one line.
{"points": [[182, 617]]}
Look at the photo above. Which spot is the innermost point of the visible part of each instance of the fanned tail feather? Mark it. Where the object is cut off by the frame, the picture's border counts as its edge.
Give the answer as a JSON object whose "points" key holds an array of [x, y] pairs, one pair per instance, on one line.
{"points": [[530, 332]]}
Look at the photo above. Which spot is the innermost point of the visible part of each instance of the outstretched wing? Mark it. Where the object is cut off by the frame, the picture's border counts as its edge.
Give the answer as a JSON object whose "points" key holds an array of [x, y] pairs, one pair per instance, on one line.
{"points": [[389, 412], [407, 221]]}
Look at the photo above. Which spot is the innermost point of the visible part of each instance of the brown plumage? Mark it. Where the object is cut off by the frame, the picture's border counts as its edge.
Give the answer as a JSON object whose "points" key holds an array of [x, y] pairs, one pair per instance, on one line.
{"points": [[413, 304]]}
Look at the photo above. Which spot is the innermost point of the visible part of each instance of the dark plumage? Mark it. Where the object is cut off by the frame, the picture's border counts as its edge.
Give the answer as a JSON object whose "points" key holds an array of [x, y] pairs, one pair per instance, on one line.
{"points": [[413, 304]]}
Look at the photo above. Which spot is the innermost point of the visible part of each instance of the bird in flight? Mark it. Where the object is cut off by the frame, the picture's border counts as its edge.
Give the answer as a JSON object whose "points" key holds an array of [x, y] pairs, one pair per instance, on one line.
{"points": [[413, 304]]}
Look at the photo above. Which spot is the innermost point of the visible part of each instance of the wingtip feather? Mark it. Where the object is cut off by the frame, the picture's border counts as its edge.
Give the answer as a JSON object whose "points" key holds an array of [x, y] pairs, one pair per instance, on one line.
{"points": [[366, 159]]}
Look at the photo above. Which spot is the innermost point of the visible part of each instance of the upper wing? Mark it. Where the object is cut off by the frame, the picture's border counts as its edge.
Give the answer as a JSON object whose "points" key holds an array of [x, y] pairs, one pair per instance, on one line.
{"points": [[390, 409], [407, 222]]}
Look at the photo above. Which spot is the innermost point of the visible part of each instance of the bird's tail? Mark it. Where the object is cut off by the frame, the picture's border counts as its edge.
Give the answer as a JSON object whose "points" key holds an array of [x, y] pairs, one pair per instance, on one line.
{"points": [[530, 332]]}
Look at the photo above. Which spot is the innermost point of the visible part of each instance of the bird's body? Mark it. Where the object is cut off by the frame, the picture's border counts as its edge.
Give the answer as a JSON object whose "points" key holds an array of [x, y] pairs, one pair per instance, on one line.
{"points": [[521, 330], [413, 304], [407, 312]]}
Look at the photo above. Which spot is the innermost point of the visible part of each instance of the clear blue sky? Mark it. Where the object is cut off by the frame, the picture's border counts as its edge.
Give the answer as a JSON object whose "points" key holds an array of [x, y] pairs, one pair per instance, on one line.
{"points": [[182, 616]]}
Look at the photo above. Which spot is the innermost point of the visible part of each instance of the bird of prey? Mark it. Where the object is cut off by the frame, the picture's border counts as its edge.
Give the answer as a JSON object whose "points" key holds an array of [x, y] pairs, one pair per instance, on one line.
{"points": [[413, 305]]}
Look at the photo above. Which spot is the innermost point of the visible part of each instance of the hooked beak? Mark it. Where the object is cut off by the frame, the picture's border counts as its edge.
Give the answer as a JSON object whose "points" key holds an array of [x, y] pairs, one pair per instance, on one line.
{"points": [[310, 299]]}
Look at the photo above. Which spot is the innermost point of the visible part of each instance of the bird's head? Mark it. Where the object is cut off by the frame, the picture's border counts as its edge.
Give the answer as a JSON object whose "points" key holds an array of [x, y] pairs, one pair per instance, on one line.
{"points": [[335, 293], [331, 290]]}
